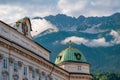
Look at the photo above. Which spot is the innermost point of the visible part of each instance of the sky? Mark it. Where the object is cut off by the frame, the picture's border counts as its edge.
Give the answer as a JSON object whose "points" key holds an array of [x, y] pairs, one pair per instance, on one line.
{"points": [[12, 10]]}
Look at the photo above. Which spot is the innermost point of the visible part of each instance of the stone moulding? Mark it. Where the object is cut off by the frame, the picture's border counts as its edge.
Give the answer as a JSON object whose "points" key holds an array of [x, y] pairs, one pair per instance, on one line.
{"points": [[1, 56], [30, 68], [5, 72], [11, 60], [25, 78], [37, 71], [20, 63], [16, 75], [43, 73]]}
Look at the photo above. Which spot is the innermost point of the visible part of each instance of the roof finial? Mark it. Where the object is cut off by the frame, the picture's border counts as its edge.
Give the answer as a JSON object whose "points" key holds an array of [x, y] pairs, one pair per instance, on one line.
{"points": [[70, 44]]}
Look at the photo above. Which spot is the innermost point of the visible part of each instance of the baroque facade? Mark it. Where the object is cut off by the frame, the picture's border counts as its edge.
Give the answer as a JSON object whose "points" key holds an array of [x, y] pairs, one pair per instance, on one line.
{"points": [[23, 59]]}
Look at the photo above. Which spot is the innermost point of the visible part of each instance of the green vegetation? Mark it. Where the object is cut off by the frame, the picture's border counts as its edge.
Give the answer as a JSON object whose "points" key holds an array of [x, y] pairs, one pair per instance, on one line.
{"points": [[106, 76]]}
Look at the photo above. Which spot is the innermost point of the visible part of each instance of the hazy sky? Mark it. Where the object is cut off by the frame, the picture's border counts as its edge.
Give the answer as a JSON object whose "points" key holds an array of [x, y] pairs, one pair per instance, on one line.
{"points": [[12, 10]]}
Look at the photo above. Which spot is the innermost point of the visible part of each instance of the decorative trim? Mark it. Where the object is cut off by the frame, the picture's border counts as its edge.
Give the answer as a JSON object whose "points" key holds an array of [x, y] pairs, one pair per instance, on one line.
{"points": [[16, 75], [49, 76], [1, 56], [43, 73], [4, 72], [25, 78], [30, 68], [11, 60], [20, 63], [37, 71]]}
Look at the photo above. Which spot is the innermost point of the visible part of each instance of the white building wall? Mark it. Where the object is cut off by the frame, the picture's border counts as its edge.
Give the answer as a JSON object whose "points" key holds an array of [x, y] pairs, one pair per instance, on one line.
{"points": [[22, 40], [78, 68], [9, 54]]}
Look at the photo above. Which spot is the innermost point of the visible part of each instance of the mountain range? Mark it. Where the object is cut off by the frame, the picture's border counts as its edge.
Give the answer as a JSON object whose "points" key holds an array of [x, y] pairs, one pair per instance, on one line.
{"points": [[98, 38]]}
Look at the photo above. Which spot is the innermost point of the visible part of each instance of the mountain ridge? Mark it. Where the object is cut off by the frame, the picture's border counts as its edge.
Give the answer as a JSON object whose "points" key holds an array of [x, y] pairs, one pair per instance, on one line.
{"points": [[91, 29]]}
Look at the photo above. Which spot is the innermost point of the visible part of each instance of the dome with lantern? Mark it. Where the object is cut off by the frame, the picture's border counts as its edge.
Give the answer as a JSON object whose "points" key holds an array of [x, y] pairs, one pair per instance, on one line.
{"points": [[70, 54]]}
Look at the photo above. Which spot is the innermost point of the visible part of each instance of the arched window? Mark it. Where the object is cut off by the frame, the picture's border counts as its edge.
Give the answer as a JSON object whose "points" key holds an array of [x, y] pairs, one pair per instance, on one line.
{"points": [[79, 67]]}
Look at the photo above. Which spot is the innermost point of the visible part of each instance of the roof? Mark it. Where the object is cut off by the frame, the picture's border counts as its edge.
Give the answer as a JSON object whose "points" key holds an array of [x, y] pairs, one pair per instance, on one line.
{"points": [[70, 54]]}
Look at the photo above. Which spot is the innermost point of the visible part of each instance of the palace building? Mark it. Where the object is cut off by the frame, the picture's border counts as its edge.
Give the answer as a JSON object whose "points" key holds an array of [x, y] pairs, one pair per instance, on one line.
{"points": [[21, 58]]}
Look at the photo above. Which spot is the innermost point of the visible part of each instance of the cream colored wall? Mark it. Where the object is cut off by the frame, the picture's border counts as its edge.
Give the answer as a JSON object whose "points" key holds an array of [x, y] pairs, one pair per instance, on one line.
{"points": [[77, 67], [26, 62], [20, 39]]}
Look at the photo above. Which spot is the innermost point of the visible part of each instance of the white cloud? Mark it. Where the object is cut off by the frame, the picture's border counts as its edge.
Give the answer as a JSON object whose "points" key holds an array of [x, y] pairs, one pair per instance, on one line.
{"points": [[89, 7], [100, 42], [75, 39], [11, 13], [40, 25], [70, 7], [12, 10], [116, 37], [87, 42]]}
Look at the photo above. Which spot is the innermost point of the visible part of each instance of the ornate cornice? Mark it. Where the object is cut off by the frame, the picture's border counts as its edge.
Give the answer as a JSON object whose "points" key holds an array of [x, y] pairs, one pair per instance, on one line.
{"points": [[87, 77]]}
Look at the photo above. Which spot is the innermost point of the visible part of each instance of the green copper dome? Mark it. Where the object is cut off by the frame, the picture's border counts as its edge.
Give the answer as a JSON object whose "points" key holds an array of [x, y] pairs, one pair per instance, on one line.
{"points": [[70, 55]]}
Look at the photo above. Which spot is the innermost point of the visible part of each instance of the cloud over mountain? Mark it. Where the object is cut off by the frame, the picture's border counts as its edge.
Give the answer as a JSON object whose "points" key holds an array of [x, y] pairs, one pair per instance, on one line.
{"points": [[100, 42], [40, 25]]}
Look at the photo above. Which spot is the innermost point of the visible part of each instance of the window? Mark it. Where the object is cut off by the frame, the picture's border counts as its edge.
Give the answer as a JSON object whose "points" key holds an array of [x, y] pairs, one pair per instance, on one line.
{"points": [[15, 67], [33, 73], [51, 78], [40, 76], [25, 70], [5, 77], [79, 67], [5, 63], [46, 78], [15, 78]]}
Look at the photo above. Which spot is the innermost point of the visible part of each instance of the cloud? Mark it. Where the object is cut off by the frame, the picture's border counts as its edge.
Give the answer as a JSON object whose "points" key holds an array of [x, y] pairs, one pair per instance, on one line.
{"points": [[75, 39], [41, 25], [87, 42], [100, 42], [116, 37], [71, 7], [12, 10], [89, 7], [10, 13]]}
